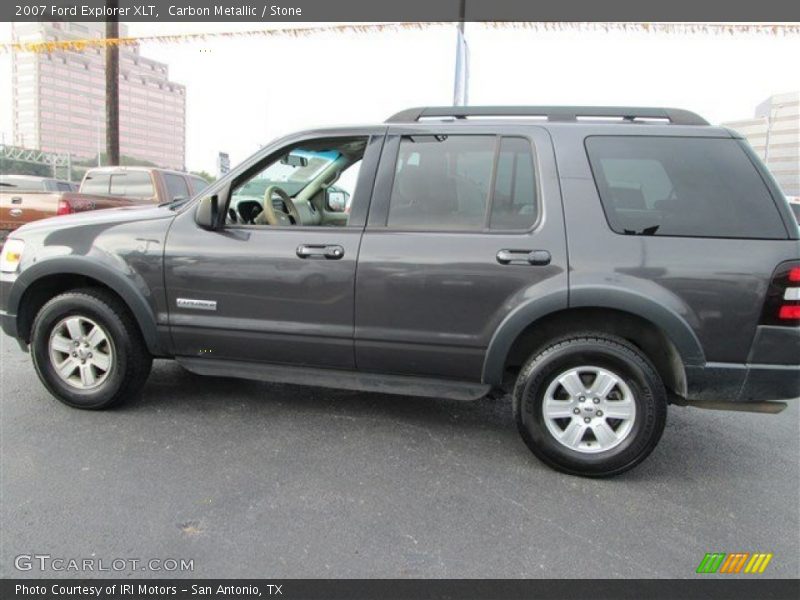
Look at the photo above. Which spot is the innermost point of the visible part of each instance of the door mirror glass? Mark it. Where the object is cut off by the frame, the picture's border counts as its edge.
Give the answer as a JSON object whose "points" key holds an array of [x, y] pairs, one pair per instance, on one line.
{"points": [[207, 215], [337, 200]]}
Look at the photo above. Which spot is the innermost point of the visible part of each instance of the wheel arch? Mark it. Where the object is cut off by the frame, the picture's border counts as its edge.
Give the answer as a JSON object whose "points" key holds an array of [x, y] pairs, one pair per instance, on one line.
{"points": [[41, 282], [663, 335]]}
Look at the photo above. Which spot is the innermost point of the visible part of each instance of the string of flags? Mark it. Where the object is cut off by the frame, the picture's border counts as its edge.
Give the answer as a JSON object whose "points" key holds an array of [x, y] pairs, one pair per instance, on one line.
{"points": [[80, 45]]}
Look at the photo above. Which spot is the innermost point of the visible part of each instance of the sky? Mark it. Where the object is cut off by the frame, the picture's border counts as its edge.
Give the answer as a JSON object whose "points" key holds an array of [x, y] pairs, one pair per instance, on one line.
{"points": [[242, 93]]}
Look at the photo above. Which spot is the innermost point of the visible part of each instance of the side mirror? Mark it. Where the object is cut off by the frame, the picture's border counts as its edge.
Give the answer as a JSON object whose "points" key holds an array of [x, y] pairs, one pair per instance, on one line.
{"points": [[337, 200], [207, 215]]}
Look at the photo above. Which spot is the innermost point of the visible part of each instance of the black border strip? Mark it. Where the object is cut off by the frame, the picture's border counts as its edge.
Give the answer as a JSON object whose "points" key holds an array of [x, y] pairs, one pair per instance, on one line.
{"points": [[393, 589], [411, 10]]}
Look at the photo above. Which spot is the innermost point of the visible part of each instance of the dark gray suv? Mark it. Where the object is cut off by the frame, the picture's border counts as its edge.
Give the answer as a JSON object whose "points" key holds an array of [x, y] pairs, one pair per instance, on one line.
{"points": [[597, 263]]}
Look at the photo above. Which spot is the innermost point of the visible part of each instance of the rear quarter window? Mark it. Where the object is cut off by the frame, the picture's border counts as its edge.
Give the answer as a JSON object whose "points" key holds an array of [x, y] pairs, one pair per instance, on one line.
{"points": [[95, 183], [682, 186], [132, 184]]}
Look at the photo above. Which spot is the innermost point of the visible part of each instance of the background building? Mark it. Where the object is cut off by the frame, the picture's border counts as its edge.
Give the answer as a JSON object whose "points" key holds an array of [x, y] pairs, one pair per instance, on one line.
{"points": [[59, 99], [774, 134]]}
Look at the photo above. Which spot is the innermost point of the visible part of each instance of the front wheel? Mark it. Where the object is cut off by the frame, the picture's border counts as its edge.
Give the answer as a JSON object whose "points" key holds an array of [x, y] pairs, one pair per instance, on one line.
{"points": [[590, 404], [88, 350]]}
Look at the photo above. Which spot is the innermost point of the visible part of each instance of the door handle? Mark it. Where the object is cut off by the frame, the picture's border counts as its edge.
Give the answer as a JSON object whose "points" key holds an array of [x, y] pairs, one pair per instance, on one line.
{"points": [[15, 212], [327, 251], [16, 199], [536, 258]]}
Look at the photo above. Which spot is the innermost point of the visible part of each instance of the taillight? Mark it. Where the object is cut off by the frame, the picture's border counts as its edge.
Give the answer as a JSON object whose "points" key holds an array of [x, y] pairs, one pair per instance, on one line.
{"points": [[782, 306], [789, 312], [64, 207]]}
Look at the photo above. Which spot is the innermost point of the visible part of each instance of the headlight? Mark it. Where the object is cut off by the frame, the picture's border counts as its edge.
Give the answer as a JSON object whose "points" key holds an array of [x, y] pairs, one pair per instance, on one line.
{"points": [[11, 255]]}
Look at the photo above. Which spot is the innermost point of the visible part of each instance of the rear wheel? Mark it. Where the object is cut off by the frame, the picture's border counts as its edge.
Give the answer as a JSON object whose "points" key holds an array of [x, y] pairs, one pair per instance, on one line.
{"points": [[591, 405], [88, 350]]}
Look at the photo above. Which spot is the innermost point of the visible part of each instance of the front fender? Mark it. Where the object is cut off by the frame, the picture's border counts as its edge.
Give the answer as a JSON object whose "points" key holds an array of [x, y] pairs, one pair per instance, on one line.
{"points": [[123, 286]]}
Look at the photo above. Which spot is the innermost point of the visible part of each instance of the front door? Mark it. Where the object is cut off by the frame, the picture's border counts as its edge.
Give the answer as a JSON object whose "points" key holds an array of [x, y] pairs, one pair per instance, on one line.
{"points": [[275, 283]]}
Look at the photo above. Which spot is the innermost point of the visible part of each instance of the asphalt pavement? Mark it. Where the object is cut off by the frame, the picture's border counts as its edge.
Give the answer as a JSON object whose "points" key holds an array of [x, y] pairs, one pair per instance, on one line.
{"points": [[248, 479]]}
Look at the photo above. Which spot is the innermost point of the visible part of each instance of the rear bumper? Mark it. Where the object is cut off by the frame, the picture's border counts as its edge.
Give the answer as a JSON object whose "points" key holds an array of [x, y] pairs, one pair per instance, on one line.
{"points": [[771, 382], [729, 382], [772, 371]]}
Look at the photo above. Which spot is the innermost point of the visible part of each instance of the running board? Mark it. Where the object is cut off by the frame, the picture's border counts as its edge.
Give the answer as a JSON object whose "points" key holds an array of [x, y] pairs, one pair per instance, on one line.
{"points": [[770, 408], [404, 385]]}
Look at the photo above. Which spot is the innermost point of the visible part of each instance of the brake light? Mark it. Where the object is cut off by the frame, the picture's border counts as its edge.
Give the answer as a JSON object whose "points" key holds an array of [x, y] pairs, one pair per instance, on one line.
{"points": [[782, 306], [64, 207], [789, 312]]}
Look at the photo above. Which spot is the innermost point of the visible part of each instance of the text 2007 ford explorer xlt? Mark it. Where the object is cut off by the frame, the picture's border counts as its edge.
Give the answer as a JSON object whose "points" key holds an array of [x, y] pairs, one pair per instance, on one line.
{"points": [[601, 263]]}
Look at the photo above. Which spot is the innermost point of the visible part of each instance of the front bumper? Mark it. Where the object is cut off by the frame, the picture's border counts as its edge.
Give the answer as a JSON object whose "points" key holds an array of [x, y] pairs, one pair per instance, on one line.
{"points": [[8, 320], [8, 323]]}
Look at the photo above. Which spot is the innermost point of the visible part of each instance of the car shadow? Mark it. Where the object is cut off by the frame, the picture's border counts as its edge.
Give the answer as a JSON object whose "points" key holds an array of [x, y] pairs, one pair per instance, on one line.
{"points": [[692, 440], [171, 387]]}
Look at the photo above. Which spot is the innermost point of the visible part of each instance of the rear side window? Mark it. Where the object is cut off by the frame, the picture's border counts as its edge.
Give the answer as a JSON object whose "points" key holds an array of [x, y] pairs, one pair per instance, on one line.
{"points": [[463, 183], [514, 205], [95, 183], [133, 184], [700, 187], [176, 186]]}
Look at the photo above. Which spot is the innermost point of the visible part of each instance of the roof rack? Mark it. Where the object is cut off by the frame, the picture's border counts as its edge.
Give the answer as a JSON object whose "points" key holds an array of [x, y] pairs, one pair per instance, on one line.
{"points": [[675, 116]]}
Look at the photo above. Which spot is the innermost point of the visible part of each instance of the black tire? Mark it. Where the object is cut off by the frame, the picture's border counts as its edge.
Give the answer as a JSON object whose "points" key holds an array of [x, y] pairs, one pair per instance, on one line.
{"points": [[603, 353], [130, 362]]}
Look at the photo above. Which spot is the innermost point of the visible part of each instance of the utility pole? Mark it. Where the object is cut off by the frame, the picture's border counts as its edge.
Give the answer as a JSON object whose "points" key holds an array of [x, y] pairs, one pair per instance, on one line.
{"points": [[112, 86], [461, 83]]}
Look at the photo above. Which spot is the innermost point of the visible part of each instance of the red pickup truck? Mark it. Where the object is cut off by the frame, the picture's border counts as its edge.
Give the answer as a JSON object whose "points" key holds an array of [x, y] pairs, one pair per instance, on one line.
{"points": [[25, 198]]}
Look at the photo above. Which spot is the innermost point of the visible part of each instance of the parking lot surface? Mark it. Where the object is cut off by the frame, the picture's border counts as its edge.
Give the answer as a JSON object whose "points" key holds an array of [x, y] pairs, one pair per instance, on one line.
{"points": [[255, 480]]}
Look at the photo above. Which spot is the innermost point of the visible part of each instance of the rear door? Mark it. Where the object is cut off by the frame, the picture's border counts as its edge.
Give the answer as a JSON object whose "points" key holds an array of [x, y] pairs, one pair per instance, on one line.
{"points": [[465, 225]]}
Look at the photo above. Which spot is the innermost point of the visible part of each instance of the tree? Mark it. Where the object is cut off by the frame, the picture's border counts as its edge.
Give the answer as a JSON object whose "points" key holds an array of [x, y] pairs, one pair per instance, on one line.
{"points": [[204, 175]]}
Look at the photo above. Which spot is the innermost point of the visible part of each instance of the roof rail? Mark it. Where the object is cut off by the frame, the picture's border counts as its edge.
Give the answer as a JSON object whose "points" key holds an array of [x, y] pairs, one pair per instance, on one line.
{"points": [[676, 116]]}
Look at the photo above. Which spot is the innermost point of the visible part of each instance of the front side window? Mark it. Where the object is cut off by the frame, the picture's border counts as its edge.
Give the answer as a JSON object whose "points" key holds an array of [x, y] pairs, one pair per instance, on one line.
{"points": [[463, 183], [132, 184], [514, 205], [682, 186], [310, 184]]}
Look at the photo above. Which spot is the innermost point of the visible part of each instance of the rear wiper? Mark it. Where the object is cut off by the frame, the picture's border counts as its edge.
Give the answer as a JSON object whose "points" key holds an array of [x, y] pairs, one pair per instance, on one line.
{"points": [[646, 231], [650, 230], [173, 203]]}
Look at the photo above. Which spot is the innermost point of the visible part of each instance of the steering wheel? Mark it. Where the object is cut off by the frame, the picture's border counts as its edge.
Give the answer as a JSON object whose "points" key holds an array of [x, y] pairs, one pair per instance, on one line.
{"points": [[270, 216]]}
